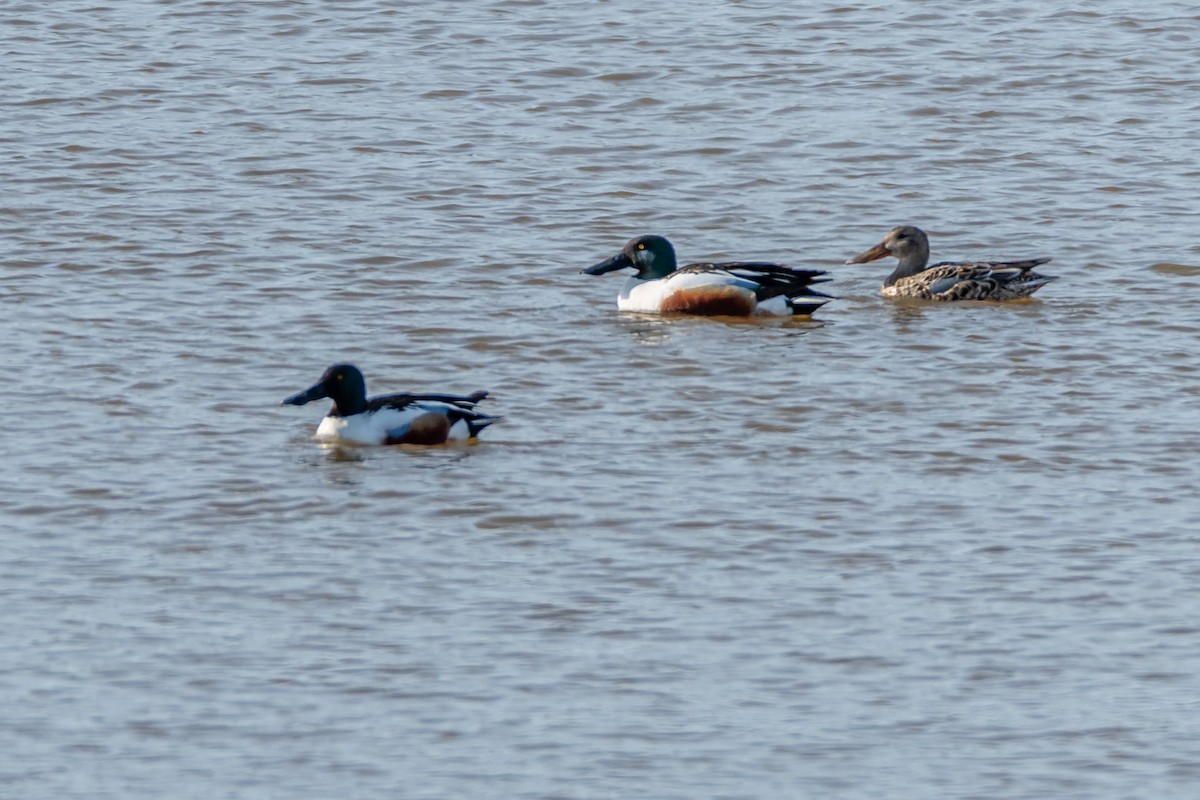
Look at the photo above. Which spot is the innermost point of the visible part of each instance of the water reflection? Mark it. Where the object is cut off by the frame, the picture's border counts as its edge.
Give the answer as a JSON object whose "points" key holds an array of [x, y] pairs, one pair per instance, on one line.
{"points": [[337, 454], [655, 329], [442, 456]]}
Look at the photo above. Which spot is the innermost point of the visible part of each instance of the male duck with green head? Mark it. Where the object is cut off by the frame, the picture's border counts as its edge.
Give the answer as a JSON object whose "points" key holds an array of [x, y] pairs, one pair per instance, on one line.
{"points": [[729, 288], [356, 419]]}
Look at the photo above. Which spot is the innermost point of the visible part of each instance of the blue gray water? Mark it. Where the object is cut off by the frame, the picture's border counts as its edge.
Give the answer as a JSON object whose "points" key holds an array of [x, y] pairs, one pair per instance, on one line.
{"points": [[896, 551]]}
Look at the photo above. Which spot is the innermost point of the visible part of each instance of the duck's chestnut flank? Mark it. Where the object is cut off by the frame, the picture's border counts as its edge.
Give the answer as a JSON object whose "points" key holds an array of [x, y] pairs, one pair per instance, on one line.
{"points": [[730, 301]]}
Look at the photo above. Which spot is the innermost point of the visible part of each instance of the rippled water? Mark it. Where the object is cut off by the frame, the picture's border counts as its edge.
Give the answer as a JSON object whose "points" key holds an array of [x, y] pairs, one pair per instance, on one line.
{"points": [[895, 551]]}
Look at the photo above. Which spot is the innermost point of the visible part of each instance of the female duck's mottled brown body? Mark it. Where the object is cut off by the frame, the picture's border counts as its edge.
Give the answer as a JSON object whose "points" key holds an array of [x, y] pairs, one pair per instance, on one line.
{"points": [[975, 280]]}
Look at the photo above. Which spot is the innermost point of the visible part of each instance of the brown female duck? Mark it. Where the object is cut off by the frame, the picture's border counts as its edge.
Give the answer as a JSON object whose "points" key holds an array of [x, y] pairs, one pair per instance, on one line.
{"points": [[973, 280]]}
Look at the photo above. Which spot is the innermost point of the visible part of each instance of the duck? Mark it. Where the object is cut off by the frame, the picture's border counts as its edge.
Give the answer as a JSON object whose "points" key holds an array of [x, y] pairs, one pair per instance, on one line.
{"points": [[389, 419], [727, 288], [950, 280]]}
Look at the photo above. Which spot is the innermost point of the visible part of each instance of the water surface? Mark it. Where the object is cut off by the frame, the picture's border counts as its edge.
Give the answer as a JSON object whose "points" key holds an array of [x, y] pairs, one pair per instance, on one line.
{"points": [[895, 551]]}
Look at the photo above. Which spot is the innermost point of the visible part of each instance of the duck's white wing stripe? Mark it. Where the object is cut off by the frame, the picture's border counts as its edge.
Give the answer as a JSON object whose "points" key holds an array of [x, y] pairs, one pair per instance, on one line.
{"points": [[715, 277]]}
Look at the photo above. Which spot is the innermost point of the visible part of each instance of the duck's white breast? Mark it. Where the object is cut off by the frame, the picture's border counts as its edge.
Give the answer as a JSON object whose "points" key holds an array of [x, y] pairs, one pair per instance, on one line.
{"points": [[648, 296], [366, 429], [644, 296], [375, 427]]}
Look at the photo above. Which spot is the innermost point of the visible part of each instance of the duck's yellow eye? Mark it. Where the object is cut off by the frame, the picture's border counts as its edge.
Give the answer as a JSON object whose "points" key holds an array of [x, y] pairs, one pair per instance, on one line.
{"points": [[340, 376], [641, 247]]}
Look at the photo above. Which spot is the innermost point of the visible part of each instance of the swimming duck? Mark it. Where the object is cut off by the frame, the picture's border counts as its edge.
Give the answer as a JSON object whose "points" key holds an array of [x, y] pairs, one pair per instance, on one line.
{"points": [[973, 280], [391, 419], [729, 288]]}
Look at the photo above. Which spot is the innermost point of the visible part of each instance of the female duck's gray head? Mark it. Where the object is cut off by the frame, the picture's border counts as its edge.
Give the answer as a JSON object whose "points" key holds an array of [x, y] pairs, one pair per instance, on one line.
{"points": [[907, 243], [341, 383], [652, 256]]}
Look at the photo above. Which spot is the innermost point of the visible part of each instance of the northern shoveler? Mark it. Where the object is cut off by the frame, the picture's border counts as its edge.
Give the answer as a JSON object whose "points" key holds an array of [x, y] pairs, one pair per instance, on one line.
{"points": [[950, 280], [390, 419], [729, 288]]}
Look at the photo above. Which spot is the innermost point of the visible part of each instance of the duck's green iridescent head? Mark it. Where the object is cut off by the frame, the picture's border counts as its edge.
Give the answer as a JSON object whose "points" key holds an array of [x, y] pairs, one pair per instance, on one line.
{"points": [[341, 383], [652, 256]]}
